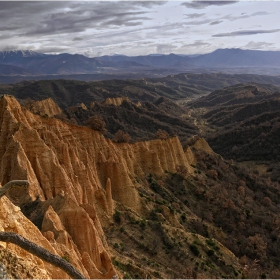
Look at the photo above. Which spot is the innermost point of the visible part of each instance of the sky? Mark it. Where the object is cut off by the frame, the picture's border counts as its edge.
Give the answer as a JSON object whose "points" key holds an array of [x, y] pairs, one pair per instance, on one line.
{"points": [[96, 28]]}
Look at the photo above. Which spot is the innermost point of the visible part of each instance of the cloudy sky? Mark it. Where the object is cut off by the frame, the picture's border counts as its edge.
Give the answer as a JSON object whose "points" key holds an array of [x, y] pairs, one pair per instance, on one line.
{"points": [[95, 28]]}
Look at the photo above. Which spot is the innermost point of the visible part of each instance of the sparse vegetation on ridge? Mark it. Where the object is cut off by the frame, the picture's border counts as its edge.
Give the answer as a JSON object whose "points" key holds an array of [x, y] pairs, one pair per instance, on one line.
{"points": [[215, 220]]}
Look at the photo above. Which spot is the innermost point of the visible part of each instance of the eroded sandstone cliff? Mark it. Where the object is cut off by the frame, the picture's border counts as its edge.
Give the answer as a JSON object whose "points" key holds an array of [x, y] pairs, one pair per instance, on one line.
{"points": [[46, 107], [115, 101], [76, 178], [20, 263]]}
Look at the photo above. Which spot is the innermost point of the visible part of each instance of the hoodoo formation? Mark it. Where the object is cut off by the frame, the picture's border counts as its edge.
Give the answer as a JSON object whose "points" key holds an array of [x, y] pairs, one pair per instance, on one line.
{"points": [[129, 152], [132, 209], [77, 176]]}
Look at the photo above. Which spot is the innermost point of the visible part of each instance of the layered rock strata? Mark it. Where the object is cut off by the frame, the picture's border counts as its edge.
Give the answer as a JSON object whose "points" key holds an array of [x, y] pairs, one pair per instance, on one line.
{"points": [[46, 107], [78, 175], [115, 101]]}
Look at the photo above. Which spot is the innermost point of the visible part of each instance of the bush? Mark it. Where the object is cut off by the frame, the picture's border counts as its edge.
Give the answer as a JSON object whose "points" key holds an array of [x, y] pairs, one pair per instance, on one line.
{"points": [[182, 170], [97, 123], [142, 224], [121, 136], [212, 173], [210, 252], [183, 217], [162, 134], [194, 249], [117, 216], [211, 242], [66, 257]]}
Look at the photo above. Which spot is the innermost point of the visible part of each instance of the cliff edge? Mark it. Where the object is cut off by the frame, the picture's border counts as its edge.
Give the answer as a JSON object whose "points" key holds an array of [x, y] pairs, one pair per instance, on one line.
{"points": [[76, 178]]}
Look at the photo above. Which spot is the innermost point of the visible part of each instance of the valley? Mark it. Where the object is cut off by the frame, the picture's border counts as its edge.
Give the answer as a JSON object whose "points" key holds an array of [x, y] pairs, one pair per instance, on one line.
{"points": [[173, 177], [139, 139]]}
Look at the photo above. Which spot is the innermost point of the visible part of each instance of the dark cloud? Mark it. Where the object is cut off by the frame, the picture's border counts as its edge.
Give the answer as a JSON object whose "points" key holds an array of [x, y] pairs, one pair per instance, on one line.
{"points": [[125, 19], [77, 22], [215, 22], [6, 27], [244, 15], [197, 43], [260, 14], [149, 4], [4, 36], [43, 18], [245, 33], [78, 39], [70, 26], [53, 49], [129, 27], [198, 22], [204, 4], [221, 19], [194, 15]]}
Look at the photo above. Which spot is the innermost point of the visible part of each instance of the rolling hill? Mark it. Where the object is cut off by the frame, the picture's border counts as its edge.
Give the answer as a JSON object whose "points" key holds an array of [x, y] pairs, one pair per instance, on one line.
{"points": [[148, 209], [243, 121]]}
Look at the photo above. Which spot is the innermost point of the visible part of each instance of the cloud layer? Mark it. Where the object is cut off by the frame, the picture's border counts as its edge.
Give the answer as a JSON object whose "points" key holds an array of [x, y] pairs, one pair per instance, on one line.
{"points": [[245, 33], [204, 4], [137, 27]]}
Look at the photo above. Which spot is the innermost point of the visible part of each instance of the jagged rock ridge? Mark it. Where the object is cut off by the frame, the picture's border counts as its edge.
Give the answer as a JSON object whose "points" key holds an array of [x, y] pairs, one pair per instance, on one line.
{"points": [[46, 107], [148, 209], [76, 176]]}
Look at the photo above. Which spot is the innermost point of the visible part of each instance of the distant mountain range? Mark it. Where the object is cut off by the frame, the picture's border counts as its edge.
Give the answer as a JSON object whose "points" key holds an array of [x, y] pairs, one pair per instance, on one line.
{"points": [[219, 58], [30, 63], [238, 58]]}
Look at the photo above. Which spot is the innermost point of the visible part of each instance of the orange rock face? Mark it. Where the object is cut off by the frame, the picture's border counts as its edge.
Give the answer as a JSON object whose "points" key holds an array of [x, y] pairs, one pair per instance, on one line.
{"points": [[12, 220], [79, 175], [46, 107], [115, 101], [201, 144]]}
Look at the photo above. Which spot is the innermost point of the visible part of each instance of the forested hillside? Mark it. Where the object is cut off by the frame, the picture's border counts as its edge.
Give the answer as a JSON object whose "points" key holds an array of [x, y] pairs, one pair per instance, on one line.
{"points": [[125, 160]]}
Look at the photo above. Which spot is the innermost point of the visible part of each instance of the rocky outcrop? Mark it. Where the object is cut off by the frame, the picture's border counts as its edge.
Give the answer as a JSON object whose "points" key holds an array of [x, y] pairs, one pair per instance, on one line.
{"points": [[80, 106], [201, 144], [46, 107], [42, 253], [60, 239], [15, 267], [78, 175], [12, 220], [117, 101]]}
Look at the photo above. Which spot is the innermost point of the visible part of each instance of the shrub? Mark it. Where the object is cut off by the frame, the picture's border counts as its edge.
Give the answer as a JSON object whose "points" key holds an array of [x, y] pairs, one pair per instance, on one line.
{"points": [[117, 216], [97, 123], [126, 276], [162, 134], [211, 242], [183, 217], [121, 136], [182, 170], [212, 173], [210, 252], [142, 224], [66, 257], [194, 249]]}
